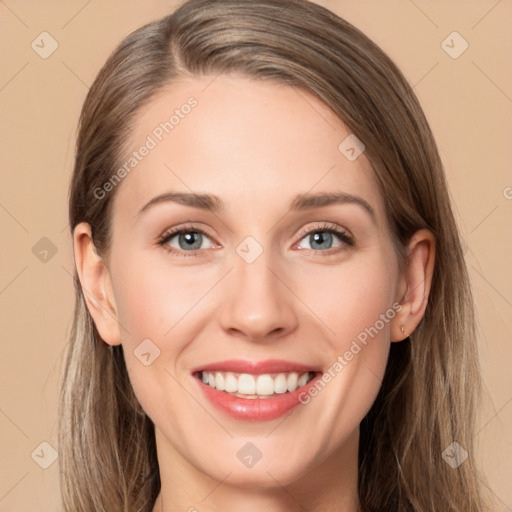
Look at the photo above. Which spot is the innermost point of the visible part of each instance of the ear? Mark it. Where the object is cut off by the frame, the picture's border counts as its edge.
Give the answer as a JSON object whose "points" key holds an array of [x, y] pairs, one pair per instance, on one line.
{"points": [[415, 283], [96, 285]]}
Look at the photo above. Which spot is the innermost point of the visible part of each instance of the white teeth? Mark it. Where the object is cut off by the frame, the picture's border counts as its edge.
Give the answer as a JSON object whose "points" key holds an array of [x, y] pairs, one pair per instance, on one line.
{"points": [[302, 380], [253, 386], [292, 380], [246, 384], [281, 384], [230, 383], [265, 385], [219, 381]]}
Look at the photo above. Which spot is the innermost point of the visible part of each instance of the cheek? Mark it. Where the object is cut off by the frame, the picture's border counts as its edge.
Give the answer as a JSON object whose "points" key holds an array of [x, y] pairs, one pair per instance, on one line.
{"points": [[153, 298], [355, 302], [350, 297], [158, 307], [358, 315]]}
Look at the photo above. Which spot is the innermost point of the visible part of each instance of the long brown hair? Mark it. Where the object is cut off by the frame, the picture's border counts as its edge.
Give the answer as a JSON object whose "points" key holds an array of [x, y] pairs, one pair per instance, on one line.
{"points": [[430, 390]]}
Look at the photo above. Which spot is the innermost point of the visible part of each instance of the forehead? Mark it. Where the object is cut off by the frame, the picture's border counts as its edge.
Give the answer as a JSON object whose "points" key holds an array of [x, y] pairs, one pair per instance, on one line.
{"points": [[251, 143]]}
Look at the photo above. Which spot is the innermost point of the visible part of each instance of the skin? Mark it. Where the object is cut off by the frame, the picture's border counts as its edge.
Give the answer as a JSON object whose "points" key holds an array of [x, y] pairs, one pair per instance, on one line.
{"points": [[256, 146]]}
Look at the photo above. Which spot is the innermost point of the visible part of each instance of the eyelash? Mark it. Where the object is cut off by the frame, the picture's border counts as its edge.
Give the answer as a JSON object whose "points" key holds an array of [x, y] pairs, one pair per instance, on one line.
{"points": [[342, 234]]}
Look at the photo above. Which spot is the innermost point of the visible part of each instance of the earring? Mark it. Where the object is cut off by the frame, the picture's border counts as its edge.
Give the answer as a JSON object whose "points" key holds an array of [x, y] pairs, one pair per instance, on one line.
{"points": [[402, 329]]}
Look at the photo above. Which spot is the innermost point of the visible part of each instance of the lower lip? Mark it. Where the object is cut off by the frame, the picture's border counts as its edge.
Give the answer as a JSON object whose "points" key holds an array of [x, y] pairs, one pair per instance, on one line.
{"points": [[255, 409]]}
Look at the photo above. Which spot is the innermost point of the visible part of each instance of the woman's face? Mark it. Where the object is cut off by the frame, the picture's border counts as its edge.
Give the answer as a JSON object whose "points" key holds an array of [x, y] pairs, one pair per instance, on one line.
{"points": [[259, 274]]}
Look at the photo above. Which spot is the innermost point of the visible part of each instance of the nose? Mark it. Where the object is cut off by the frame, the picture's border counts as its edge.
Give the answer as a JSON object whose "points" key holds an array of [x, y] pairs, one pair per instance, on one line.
{"points": [[258, 303]]}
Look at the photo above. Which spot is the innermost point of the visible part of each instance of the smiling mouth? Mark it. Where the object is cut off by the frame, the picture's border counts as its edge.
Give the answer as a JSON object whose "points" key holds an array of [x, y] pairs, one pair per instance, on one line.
{"points": [[254, 386]]}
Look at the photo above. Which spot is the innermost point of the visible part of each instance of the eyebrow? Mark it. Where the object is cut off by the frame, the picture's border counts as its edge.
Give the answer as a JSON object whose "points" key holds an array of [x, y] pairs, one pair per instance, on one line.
{"points": [[206, 202], [305, 201], [214, 204]]}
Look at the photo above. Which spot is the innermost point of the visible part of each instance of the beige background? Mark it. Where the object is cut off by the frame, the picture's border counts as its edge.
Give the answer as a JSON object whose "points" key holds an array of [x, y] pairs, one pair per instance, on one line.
{"points": [[468, 101]]}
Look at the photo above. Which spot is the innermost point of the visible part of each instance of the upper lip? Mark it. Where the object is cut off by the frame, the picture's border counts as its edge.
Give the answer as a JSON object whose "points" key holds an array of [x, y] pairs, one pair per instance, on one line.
{"points": [[256, 367]]}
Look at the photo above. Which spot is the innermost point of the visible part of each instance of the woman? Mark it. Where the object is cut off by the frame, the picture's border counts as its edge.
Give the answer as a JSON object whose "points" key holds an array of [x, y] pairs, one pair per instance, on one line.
{"points": [[222, 357]]}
